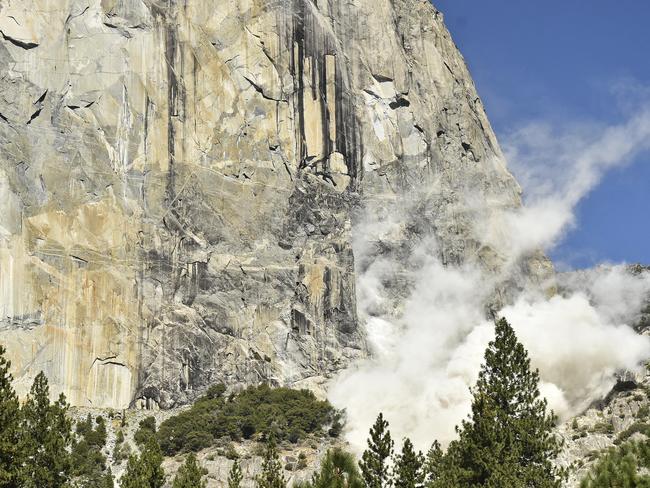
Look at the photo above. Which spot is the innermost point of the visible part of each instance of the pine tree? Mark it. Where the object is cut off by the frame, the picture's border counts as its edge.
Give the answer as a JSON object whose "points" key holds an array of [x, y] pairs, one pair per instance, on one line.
{"points": [[235, 476], [145, 471], [271, 475], [433, 464], [374, 461], [133, 476], [189, 475], [338, 470], [10, 455], [409, 467], [623, 466], [88, 460], [46, 436], [508, 438]]}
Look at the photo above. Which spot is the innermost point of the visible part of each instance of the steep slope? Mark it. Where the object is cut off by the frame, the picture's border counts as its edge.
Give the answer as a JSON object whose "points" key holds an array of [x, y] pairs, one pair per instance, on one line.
{"points": [[181, 181]]}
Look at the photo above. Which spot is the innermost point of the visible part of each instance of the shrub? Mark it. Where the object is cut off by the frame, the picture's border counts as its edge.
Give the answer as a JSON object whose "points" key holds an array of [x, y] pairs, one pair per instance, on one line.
{"points": [[603, 428], [633, 429], [121, 452], [229, 452], [88, 460], [621, 467], [338, 470], [261, 412], [146, 430]]}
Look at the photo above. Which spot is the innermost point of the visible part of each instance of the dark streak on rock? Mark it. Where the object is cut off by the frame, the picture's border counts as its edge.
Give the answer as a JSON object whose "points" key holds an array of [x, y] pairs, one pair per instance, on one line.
{"points": [[71, 16], [381, 78], [399, 102], [175, 98], [34, 115], [18, 42], [107, 360], [307, 39], [260, 90], [41, 98], [121, 30]]}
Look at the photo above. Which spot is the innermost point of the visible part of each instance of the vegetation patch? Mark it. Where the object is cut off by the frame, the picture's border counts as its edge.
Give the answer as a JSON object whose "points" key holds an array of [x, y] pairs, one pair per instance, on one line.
{"points": [[620, 467], [603, 428], [631, 430], [257, 412]]}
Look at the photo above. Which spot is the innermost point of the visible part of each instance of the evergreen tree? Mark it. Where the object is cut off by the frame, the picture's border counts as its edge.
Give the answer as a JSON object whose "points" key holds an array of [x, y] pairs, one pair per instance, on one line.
{"points": [[433, 464], [133, 476], [271, 475], [144, 471], [146, 430], [189, 475], [235, 476], [46, 435], [338, 470], [374, 461], [88, 461], [508, 438], [409, 467], [10, 455], [625, 466]]}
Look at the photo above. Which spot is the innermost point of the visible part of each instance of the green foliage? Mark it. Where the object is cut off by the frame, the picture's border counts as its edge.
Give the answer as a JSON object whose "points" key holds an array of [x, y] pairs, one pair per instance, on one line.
{"points": [[643, 412], [189, 475], [337, 424], [9, 426], [271, 475], [144, 471], [631, 430], [37, 446], [619, 467], [409, 467], [433, 464], [603, 428], [235, 476], [46, 436], [259, 411], [88, 462], [228, 451], [374, 461], [338, 470], [146, 430], [121, 452], [508, 438]]}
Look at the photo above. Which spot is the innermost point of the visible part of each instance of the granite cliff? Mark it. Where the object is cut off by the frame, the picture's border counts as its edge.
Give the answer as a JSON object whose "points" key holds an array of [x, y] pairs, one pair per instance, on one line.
{"points": [[181, 180]]}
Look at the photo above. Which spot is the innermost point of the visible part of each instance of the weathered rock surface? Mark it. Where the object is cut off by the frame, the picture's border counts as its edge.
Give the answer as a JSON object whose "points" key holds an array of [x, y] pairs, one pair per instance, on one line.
{"points": [[606, 424], [180, 180]]}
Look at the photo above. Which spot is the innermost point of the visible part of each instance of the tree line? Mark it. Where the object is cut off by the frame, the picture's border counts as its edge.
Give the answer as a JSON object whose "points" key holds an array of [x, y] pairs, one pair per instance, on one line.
{"points": [[507, 441]]}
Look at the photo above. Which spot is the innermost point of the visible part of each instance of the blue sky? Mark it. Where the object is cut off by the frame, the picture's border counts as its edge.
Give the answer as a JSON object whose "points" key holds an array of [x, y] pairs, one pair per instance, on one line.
{"points": [[565, 62]]}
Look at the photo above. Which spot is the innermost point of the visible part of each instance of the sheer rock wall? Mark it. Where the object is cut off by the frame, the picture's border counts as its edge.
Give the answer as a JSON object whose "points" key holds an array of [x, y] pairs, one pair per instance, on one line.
{"points": [[181, 180]]}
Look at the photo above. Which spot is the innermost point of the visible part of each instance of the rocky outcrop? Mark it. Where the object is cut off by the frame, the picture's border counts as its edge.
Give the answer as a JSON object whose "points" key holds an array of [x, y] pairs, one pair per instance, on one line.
{"points": [[182, 178], [622, 416]]}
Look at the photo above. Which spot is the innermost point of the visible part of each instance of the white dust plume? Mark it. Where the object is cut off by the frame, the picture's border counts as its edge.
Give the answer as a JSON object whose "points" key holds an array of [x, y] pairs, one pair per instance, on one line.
{"points": [[428, 345]]}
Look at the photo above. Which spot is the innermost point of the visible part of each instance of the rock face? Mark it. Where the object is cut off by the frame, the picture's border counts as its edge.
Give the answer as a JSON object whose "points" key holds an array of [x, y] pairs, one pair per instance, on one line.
{"points": [[622, 416], [180, 182]]}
